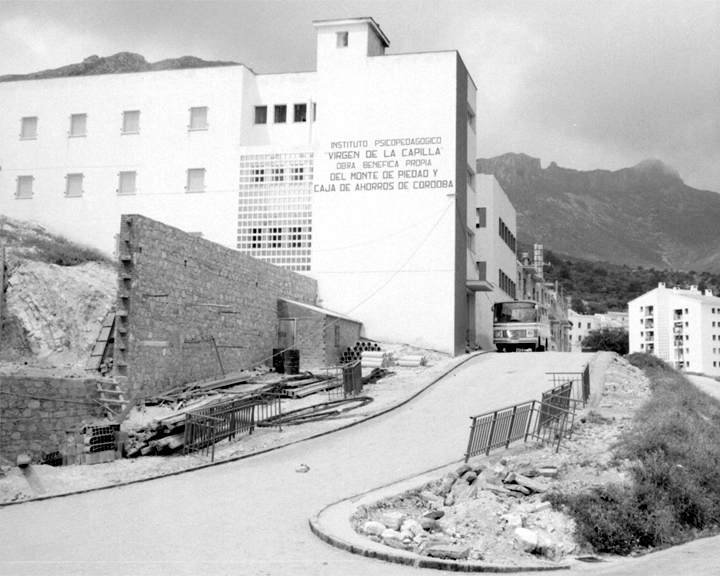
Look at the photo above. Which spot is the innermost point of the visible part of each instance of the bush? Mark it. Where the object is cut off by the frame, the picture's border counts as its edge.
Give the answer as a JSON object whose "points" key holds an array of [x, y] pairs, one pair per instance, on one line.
{"points": [[674, 447], [62, 252], [607, 338], [646, 361]]}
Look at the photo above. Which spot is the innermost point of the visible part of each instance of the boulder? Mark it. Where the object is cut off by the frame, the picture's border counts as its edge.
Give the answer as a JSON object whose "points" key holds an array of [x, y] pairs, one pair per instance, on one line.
{"points": [[527, 539], [450, 499], [452, 551], [489, 476], [518, 488], [464, 468], [533, 485], [469, 477], [412, 526], [427, 524], [513, 520], [446, 484], [392, 520], [427, 496], [375, 528], [434, 514], [548, 471], [546, 546]]}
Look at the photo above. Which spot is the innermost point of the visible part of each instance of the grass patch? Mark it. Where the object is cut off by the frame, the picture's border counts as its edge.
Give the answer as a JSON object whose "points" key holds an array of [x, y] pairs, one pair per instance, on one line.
{"points": [[674, 496], [62, 252]]}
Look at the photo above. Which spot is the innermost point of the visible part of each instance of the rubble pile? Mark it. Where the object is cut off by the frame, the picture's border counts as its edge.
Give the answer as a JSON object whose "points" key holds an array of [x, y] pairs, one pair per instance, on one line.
{"points": [[477, 512]]}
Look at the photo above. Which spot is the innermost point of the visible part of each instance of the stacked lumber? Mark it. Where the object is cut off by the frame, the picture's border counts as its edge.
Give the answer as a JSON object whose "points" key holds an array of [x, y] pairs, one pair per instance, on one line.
{"points": [[302, 387]]}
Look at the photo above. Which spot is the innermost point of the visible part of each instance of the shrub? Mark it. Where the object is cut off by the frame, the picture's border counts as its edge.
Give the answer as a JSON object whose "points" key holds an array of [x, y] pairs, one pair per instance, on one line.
{"points": [[607, 338], [645, 361], [674, 446], [62, 252]]}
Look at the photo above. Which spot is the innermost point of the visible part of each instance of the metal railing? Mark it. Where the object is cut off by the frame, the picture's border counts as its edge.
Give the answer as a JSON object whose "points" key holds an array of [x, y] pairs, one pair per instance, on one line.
{"points": [[543, 422], [548, 420], [581, 382], [206, 427]]}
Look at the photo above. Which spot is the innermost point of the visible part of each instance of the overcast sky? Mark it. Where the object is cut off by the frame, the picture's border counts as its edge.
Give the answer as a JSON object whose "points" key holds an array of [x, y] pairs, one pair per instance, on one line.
{"points": [[587, 84]]}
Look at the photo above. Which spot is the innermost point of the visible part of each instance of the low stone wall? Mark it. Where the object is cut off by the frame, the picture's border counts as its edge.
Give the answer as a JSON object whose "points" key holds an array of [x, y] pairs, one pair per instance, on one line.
{"points": [[36, 413]]}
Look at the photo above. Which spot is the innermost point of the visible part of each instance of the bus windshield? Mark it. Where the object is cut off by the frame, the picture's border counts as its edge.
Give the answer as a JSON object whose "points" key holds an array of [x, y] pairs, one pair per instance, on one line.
{"points": [[515, 312]]}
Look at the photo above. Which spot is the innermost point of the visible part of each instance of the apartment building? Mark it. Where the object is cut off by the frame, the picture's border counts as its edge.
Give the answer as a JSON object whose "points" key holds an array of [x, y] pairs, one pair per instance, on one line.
{"points": [[355, 174], [679, 326], [582, 324]]}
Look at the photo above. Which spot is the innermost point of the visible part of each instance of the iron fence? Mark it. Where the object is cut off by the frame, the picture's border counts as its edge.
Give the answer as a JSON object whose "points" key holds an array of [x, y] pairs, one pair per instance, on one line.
{"points": [[581, 382], [207, 426], [549, 420], [546, 423]]}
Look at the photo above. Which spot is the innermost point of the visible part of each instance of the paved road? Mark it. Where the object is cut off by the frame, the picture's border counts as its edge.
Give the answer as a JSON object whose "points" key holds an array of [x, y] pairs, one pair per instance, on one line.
{"points": [[251, 516]]}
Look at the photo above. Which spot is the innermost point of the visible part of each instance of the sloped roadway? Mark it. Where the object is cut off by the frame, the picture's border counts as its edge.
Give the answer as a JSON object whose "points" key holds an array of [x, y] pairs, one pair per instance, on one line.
{"points": [[250, 517]]}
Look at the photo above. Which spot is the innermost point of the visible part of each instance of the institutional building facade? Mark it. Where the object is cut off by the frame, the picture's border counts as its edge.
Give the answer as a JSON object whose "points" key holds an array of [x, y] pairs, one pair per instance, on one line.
{"points": [[359, 174], [681, 327]]}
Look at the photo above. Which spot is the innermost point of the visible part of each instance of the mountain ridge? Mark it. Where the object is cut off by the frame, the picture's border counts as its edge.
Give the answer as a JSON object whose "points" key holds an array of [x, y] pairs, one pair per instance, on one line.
{"points": [[644, 215], [120, 63]]}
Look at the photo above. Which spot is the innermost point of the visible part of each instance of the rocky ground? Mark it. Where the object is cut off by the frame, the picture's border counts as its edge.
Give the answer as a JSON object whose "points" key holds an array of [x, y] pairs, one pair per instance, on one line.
{"points": [[493, 510]]}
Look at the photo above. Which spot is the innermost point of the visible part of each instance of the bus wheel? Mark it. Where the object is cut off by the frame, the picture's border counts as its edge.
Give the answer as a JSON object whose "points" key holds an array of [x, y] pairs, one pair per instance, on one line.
{"points": [[539, 347]]}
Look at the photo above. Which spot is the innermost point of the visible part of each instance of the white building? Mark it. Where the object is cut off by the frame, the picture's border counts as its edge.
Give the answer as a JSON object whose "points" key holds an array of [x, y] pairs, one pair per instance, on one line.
{"points": [[681, 327], [360, 174], [584, 323]]}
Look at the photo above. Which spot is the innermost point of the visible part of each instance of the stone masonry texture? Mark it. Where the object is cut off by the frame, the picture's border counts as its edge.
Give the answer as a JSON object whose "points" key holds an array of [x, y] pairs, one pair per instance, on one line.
{"points": [[36, 414], [190, 309]]}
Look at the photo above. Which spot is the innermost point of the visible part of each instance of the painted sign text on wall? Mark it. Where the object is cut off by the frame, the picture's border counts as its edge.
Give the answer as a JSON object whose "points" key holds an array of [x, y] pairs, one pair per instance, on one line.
{"points": [[386, 164]]}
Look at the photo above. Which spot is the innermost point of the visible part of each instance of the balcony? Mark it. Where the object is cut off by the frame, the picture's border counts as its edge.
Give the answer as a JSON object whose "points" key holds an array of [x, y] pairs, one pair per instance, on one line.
{"points": [[479, 284]]}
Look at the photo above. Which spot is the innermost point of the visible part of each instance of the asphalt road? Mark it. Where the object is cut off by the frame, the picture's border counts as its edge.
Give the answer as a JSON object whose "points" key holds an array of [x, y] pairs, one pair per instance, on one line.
{"points": [[251, 517]]}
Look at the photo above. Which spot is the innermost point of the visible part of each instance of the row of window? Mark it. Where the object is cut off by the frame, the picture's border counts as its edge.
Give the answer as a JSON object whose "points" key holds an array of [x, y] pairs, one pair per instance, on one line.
{"points": [[130, 123], [507, 236], [507, 284], [297, 173], [280, 113], [127, 183]]}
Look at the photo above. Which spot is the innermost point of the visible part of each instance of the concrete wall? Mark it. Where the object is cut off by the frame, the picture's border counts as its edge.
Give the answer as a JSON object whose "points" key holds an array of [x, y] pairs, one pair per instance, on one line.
{"points": [[180, 292], [36, 413]]}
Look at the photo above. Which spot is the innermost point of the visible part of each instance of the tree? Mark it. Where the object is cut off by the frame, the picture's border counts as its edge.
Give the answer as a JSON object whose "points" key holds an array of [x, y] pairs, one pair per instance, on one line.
{"points": [[607, 338]]}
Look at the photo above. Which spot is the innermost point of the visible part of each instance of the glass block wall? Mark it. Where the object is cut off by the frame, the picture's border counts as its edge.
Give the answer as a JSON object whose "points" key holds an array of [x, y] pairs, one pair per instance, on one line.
{"points": [[275, 208]]}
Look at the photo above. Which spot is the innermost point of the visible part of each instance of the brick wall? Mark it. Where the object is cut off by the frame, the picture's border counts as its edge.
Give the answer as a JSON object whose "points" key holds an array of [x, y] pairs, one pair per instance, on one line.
{"points": [[37, 413], [188, 306]]}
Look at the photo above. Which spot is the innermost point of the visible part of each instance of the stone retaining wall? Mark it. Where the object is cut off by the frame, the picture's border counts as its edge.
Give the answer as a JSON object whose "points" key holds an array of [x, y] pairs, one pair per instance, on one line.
{"points": [[37, 413], [190, 309]]}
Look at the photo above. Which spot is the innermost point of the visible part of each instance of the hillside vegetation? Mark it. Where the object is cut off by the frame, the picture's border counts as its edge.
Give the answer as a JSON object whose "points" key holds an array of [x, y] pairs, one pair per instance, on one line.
{"points": [[598, 287]]}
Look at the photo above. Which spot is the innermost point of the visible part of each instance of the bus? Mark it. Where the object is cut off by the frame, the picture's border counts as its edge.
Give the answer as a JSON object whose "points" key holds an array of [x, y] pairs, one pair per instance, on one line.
{"points": [[520, 325]]}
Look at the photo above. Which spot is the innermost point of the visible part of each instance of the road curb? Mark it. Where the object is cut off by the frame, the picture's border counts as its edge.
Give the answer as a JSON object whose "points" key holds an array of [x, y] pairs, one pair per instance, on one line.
{"points": [[332, 526], [258, 453]]}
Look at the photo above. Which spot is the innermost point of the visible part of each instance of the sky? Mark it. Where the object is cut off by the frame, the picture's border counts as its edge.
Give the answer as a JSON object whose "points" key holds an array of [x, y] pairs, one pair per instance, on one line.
{"points": [[586, 84]]}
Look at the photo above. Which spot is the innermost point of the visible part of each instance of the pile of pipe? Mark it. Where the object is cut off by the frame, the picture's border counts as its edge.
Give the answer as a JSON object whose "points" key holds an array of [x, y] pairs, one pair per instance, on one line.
{"points": [[355, 352]]}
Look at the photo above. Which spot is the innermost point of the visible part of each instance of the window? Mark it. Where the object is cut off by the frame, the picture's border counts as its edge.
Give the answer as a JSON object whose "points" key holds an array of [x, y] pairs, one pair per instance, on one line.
{"points": [[24, 187], [74, 185], [280, 113], [314, 111], [260, 114], [278, 174], [258, 175], [276, 236], [131, 122], [198, 118], [195, 180], [126, 183], [300, 114], [342, 39], [480, 217], [337, 335], [78, 125], [28, 128], [297, 173]]}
